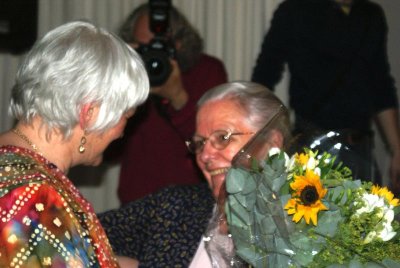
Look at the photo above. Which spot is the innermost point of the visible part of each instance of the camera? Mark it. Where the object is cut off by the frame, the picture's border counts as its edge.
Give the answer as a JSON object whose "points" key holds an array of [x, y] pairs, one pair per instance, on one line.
{"points": [[160, 50]]}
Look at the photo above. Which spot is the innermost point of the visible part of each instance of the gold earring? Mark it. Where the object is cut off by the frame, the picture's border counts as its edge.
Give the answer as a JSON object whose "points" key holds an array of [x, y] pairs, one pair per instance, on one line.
{"points": [[82, 148]]}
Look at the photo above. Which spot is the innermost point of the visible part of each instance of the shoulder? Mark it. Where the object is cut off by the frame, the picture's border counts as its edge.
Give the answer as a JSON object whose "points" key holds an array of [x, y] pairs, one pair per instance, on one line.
{"points": [[184, 204], [30, 192], [370, 7], [185, 194], [289, 5], [209, 71], [210, 59], [182, 199], [207, 61]]}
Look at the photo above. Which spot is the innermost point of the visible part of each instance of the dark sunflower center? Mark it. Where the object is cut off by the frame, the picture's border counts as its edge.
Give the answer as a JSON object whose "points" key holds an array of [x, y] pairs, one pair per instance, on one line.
{"points": [[309, 195]]}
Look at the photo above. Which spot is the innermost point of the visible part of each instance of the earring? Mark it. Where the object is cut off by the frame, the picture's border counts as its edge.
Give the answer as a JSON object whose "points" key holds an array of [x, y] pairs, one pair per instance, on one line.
{"points": [[81, 147]]}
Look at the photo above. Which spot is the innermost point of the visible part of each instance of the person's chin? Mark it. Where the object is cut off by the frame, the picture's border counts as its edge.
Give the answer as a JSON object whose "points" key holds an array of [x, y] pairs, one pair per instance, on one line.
{"points": [[95, 162]]}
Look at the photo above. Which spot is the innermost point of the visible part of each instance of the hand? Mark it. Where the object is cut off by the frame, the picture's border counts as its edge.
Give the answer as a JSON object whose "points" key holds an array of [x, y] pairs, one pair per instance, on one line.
{"points": [[173, 89], [221, 200], [127, 262], [395, 173]]}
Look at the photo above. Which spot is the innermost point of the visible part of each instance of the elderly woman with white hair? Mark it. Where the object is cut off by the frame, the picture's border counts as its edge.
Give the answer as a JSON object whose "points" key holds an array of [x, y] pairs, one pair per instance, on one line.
{"points": [[166, 229], [73, 94]]}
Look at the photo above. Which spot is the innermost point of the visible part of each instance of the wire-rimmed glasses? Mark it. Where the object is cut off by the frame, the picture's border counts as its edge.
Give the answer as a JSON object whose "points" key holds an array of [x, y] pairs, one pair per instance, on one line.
{"points": [[219, 139]]}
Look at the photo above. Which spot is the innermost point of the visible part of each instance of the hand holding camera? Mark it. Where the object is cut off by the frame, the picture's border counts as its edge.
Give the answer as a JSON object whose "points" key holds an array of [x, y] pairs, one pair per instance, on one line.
{"points": [[173, 89]]}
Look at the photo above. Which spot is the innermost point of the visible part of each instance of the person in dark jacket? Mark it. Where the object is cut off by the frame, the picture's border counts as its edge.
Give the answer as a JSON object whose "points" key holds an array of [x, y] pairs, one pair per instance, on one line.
{"points": [[339, 73]]}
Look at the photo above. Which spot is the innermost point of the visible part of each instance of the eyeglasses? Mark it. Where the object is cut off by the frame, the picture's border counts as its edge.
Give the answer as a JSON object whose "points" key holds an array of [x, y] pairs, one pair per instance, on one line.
{"points": [[219, 139]]}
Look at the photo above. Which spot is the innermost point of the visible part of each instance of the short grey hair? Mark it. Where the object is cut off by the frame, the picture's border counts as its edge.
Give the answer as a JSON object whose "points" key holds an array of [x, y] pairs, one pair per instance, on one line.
{"points": [[191, 44], [260, 103], [75, 64]]}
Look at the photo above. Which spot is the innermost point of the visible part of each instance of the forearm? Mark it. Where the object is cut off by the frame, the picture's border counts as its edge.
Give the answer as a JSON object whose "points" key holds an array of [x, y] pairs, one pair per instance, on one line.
{"points": [[389, 123], [124, 235], [179, 99], [126, 262]]}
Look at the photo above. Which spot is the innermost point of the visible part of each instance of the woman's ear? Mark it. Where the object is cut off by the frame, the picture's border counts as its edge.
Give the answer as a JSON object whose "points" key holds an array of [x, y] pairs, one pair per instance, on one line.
{"points": [[276, 139], [273, 138], [258, 148], [86, 115]]}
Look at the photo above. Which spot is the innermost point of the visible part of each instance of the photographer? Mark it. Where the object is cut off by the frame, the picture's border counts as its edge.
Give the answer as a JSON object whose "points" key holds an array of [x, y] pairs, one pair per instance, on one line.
{"points": [[153, 153]]}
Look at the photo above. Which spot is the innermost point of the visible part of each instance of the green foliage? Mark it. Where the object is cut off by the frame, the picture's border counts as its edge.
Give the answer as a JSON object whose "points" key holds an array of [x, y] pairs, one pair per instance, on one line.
{"points": [[265, 235]]}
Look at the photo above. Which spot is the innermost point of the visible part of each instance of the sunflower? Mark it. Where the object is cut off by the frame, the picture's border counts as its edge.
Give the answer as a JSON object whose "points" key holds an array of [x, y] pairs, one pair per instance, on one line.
{"points": [[306, 198], [385, 193]]}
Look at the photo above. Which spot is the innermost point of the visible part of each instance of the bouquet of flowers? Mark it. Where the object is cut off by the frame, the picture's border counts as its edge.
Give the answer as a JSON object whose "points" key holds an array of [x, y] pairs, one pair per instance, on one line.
{"points": [[307, 211]]}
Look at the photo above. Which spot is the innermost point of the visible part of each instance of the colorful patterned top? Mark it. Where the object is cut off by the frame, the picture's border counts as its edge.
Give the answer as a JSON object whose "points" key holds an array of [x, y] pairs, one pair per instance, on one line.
{"points": [[44, 220]]}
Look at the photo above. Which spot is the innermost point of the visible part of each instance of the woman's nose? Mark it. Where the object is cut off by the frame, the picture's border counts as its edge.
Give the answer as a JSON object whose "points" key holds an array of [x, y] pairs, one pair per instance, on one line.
{"points": [[208, 152]]}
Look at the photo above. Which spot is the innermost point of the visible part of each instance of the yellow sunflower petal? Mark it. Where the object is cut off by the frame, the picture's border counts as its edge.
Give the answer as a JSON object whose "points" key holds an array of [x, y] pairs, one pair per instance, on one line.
{"points": [[385, 193], [291, 206], [307, 213], [314, 214], [290, 203], [299, 214]]}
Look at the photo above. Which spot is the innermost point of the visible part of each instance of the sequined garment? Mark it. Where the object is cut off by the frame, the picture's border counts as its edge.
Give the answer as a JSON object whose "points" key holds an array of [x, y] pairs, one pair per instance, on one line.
{"points": [[44, 220]]}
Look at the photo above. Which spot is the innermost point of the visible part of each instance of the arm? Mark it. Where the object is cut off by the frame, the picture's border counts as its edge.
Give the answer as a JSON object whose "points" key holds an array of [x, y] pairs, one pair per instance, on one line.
{"points": [[46, 228], [126, 227], [274, 50], [389, 122], [207, 73], [126, 262], [386, 99]]}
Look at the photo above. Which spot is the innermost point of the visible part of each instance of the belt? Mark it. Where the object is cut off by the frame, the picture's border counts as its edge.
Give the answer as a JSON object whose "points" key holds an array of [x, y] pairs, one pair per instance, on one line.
{"points": [[354, 136], [347, 136]]}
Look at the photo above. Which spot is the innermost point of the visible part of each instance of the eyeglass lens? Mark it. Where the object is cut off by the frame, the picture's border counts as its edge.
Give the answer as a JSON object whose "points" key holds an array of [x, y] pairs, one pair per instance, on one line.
{"points": [[220, 139]]}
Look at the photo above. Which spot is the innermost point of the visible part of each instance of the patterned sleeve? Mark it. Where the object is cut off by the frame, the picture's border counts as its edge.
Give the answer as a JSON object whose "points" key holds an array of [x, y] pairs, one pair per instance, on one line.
{"points": [[163, 229], [39, 229], [126, 226]]}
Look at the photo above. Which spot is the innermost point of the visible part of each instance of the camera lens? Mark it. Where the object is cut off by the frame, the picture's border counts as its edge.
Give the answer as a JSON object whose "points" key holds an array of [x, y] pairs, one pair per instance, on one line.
{"points": [[157, 65]]}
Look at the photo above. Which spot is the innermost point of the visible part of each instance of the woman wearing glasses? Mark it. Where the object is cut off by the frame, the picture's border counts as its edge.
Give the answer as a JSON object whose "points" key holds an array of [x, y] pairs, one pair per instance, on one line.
{"points": [[166, 228]]}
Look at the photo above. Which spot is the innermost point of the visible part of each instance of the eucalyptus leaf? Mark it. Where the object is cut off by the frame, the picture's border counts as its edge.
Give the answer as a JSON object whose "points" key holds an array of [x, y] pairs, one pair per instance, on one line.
{"points": [[249, 186], [251, 200], [249, 255], [278, 182], [241, 199], [235, 180], [373, 265], [236, 215], [267, 224], [328, 222], [391, 263]]}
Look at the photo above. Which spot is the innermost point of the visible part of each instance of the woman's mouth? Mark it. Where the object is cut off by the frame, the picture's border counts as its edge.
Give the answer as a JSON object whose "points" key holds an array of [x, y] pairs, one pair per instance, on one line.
{"points": [[218, 171]]}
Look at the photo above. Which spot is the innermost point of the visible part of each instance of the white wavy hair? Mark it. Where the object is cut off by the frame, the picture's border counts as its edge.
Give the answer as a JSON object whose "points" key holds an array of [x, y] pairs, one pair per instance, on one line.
{"points": [[76, 64], [259, 103]]}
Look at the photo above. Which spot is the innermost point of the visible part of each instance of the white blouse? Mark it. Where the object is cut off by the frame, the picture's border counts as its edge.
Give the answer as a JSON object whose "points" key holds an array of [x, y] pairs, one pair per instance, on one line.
{"points": [[201, 258]]}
